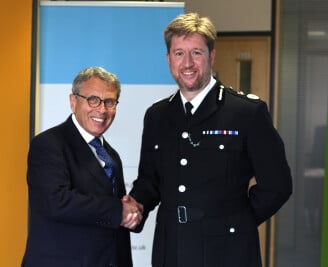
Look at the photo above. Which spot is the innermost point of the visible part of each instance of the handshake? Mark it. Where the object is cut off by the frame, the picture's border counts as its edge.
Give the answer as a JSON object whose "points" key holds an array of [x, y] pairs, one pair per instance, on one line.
{"points": [[131, 213]]}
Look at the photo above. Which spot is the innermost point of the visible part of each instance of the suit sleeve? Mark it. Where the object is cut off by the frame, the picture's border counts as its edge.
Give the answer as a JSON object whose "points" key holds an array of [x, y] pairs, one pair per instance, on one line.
{"points": [[55, 188], [273, 179]]}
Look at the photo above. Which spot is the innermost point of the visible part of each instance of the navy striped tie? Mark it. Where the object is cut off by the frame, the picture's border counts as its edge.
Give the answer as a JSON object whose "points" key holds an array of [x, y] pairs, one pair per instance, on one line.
{"points": [[104, 156]]}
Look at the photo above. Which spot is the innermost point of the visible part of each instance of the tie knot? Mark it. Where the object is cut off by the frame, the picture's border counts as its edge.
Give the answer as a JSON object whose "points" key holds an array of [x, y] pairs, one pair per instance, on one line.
{"points": [[188, 107], [95, 142]]}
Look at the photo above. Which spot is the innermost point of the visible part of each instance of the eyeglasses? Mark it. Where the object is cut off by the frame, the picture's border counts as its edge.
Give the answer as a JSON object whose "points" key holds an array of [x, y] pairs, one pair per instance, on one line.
{"points": [[95, 101]]}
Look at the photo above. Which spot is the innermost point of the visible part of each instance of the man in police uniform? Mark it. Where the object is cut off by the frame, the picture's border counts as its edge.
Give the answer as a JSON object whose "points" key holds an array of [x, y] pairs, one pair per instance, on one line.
{"points": [[198, 166]]}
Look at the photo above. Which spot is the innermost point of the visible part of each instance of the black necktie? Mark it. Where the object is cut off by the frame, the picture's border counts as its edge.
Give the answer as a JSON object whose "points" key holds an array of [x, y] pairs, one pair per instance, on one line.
{"points": [[188, 107], [104, 156]]}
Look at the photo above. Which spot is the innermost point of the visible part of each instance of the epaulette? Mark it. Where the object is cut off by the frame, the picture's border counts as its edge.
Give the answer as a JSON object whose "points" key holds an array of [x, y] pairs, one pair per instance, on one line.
{"points": [[242, 94]]}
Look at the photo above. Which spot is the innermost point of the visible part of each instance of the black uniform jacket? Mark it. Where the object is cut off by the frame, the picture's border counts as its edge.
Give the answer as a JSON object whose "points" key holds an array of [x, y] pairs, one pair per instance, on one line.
{"points": [[74, 218], [199, 173]]}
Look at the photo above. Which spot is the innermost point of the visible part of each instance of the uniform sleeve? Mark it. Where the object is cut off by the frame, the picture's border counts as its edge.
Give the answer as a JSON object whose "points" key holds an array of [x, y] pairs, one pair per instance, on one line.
{"points": [[272, 173], [145, 187]]}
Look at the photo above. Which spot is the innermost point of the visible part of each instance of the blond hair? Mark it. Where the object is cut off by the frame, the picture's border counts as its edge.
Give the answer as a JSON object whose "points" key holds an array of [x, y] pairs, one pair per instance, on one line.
{"points": [[187, 24]]}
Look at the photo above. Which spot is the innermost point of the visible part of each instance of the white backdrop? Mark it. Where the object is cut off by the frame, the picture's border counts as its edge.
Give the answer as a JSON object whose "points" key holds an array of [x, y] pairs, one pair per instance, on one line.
{"points": [[126, 38]]}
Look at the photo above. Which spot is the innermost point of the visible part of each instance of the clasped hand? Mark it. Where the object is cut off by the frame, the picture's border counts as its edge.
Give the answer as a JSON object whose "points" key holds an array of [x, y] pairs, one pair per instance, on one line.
{"points": [[132, 212]]}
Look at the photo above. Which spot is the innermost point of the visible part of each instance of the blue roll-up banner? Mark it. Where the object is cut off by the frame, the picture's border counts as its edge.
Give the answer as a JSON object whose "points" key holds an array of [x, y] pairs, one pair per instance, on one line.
{"points": [[125, 38]]}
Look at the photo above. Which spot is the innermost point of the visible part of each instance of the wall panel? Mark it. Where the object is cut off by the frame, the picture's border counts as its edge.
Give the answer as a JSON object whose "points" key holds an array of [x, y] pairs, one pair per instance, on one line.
{"points": [[15, 47]]}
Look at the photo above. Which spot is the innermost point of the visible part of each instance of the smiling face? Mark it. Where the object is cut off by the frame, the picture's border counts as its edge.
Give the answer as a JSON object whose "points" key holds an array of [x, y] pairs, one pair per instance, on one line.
{"points": [[190, 63], [94, 120]]}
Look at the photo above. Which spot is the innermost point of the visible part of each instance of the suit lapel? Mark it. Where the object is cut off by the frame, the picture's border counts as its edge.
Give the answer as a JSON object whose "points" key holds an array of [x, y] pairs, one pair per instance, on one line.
{"points": [[118, 169], [86, 159]]}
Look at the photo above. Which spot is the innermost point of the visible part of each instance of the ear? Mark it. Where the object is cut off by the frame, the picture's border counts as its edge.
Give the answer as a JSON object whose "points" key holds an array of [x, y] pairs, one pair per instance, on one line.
{"points": [[72, 102]]}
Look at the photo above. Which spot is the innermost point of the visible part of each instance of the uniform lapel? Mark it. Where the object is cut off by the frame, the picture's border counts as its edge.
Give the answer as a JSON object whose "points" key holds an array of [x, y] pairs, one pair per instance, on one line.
{"points": [[176, 111], [208, 106]]}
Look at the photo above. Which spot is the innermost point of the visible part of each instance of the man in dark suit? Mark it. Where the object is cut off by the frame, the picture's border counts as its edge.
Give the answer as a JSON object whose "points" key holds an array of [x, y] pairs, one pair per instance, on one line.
{"points": [[76, 215], [197, 161]]}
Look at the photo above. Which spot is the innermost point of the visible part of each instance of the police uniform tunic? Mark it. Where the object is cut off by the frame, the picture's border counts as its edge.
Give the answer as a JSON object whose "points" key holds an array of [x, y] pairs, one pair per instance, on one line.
{"points": [[198, 171]]}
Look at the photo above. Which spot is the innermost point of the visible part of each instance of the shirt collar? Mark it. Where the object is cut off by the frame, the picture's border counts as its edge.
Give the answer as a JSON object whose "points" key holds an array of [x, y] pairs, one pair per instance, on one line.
{"points": [[85, 135], [197, 100]]}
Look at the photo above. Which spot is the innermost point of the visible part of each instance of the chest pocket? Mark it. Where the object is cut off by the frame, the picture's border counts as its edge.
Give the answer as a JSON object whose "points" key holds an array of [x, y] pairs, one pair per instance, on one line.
{"points": [[220, 157], [222, 143]]}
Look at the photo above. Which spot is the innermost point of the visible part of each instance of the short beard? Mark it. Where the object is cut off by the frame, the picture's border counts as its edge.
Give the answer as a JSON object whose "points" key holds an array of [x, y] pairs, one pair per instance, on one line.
{"points": [[198, 86]]}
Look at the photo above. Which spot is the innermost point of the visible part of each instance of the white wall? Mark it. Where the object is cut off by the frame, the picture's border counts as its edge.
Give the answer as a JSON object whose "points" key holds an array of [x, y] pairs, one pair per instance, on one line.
{"points": [[233, 15]]}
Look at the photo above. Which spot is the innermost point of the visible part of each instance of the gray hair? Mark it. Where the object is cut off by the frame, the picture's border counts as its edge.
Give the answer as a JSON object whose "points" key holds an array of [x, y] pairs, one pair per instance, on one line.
{"points": [[97, 72]]}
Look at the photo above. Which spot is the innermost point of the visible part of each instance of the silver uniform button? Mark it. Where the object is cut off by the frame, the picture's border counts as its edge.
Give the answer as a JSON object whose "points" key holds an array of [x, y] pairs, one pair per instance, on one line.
{"points": [[156, 147], [221, 147], [185, 135], [182, 188], [232, 230], [183, 162]]}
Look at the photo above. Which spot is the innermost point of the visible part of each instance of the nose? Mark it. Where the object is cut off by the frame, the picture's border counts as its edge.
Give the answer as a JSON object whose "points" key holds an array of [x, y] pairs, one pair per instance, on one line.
{"points": [[188, 60]]}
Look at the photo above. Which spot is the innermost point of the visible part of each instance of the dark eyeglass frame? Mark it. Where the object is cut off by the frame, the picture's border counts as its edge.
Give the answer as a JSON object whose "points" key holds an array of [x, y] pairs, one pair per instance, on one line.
{"points": [[95, 101]]}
